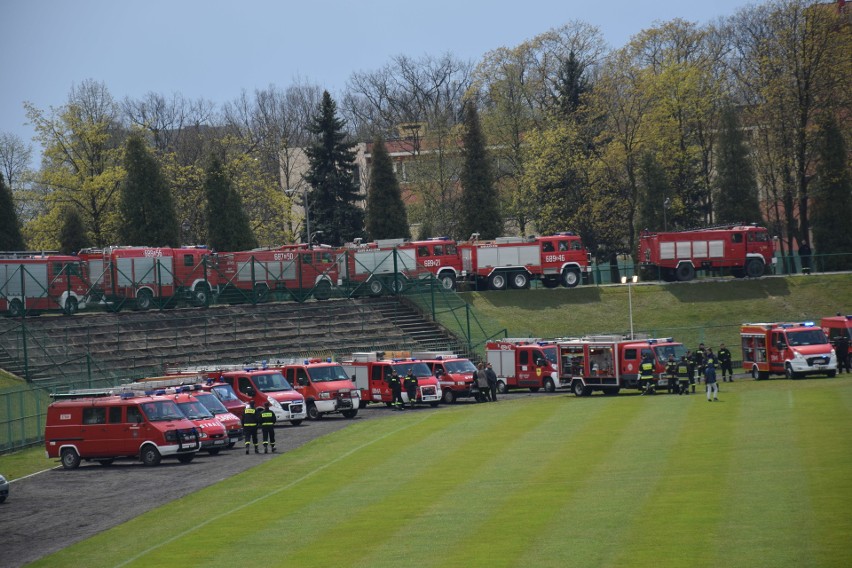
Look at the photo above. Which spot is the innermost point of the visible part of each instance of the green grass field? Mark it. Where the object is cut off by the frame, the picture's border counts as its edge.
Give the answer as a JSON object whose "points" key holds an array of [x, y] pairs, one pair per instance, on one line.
{"points": [[761, 478]]}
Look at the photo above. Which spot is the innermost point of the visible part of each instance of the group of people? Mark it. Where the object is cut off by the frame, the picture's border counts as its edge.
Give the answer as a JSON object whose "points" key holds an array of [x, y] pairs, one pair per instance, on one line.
{"points": [[263, 418], [484, 387], [692, 367], [396, 385]]}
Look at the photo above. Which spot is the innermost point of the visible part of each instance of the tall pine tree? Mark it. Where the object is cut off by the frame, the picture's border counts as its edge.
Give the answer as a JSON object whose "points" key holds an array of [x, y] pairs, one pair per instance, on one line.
{"points": [[386, 214], [332, 175], [736, 186], [147, 209], [832, 199], [72, 235], [480, 204], [10, 231], [229, 227]]}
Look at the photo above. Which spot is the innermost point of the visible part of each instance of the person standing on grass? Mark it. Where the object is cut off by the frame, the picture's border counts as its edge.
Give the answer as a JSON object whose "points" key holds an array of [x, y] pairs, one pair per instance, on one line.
{"points": [[492, 381], [684, 376], [841, 348], [710, 376], [411, 387], [724, 357], [646, 375], [396, 391], [482, 383]]}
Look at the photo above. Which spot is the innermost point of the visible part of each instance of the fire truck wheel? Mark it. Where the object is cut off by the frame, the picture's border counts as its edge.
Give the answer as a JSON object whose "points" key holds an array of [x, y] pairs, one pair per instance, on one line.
{"points": [[322, 291], [502, 388], [186, 458], [549, 386], [201, 295], [550, 282], [70, 458], [295, 422], [448, 397], [70, 307], [447, 280], [261, 292], [16, 308], [754, 268], [788, 372], [685, 272], [150, 456], [497, 281], [144, 300], [375, 286], [106, 462], [313, 413], [350, 413], [578, 389], [520, 281], [570, 277]]}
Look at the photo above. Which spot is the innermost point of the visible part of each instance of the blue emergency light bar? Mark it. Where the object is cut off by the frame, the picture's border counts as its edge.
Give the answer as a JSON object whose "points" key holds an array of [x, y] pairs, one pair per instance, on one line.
{"points": [[126, 395]]}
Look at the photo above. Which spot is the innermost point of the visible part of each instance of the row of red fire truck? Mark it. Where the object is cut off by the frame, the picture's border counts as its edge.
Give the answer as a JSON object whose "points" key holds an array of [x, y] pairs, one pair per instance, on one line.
{"points": [[145, 277]]}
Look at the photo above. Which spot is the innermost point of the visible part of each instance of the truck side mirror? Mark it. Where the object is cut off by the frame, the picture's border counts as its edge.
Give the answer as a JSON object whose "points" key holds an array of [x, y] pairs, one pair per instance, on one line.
{"points": [[353, 378], [540, 362], [303, 381]]}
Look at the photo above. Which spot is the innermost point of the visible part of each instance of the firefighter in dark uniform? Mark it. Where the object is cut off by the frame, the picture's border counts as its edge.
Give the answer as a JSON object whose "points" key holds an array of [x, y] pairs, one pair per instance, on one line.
{"points": [[646, 375], [250, 416], [671, 372], [396, 391], [684, 376], [267, 424], [411, 387], [698, 362], [723, 357], [841, 348]]}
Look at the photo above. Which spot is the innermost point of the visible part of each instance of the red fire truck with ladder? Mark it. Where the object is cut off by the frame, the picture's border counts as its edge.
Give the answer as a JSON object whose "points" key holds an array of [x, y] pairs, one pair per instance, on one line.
{"points": [[744, 250], [35, 282], [144, 277], [524, 363], [790, 349], [371, 370], [515, 261], [609, 363]]}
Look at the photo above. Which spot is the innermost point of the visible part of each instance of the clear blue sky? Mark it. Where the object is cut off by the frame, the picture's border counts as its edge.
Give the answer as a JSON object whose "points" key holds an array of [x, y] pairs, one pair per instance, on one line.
{"points": [[215, 48]]}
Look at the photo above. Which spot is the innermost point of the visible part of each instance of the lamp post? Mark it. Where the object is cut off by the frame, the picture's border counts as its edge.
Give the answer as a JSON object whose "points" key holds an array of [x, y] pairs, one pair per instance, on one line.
{"points": [[633, 280], [666, 204]]}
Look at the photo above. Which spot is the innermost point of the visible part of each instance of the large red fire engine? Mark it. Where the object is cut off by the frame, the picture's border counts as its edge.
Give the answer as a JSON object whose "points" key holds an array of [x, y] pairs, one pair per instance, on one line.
{"points": [[151, 275], [455, 374], [38, 282], [289, 271], [791, 349], [744, 250], [371, 370], [515, 261], [524, 363], [438, 256], [324, 384], [376, 268], [609, 363], [102, 427]]}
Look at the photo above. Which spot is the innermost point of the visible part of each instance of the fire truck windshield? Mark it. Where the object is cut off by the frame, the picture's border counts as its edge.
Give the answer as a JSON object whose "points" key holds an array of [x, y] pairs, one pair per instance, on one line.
{"points": [[758, 237], [806, 337], [194, 410], [462, 366], [272, 382], [550, 353], [663, 351], [225, 393], [211, 403], [327, 374], [162, 410], [419, 369]]}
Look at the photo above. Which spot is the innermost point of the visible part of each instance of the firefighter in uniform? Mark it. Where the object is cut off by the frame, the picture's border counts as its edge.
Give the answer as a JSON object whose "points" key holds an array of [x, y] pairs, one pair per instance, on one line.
{"points": [[841, 348], [684, 376], [250, 426], [698, 362], [646, 376], [396, 391], [724, 359], [671, 371], [267, 424], [411, 387]]}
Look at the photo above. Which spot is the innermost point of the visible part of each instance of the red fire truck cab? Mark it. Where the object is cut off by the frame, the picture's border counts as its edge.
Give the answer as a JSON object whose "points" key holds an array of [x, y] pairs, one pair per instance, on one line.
{"points": [[370, 371], [455, 374], [790, 349], [609, 363], [744, 250], [515, 261], [31, 282], [104, 428], [836, 327], [524, 363], [262, 385], [324, 384]]}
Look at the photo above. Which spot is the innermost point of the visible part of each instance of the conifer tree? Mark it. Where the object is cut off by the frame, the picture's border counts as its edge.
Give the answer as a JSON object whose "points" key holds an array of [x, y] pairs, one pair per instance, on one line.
{"points": [[480, 204], [147, 209], [333, 201], [10, 231], [72, 235], [229, 228], [736, 185], [832, 199], [386, 214], [654, 188]]}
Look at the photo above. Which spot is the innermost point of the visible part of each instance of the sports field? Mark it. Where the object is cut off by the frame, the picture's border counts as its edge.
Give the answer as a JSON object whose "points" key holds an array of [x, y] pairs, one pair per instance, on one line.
{"points": [[761, 478]]}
